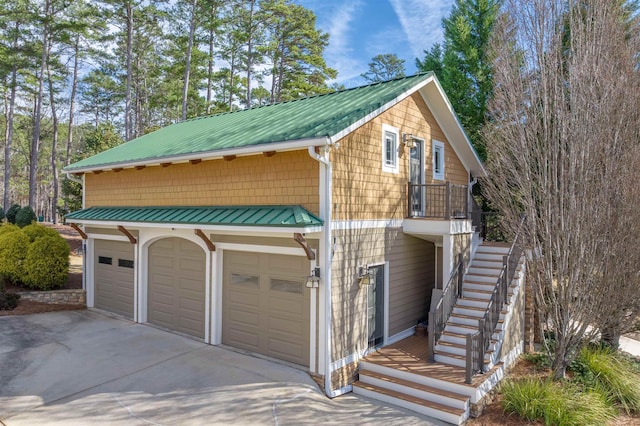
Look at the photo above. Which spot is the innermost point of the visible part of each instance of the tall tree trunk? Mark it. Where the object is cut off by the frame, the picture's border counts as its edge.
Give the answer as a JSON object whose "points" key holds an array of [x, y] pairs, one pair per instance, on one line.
{"points": [[72, 101], [128, 128], [187, 68], [250, 52], [210, 72], [9, 135], [37, 118], [54, 150]]}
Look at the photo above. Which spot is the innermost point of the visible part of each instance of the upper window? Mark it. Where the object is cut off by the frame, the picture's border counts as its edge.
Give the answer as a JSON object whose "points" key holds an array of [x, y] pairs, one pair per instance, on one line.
{"points": [[438, 160], [390, 149]]}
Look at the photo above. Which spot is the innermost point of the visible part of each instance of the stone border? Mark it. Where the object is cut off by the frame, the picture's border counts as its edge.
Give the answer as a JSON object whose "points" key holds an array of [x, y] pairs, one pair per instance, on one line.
{"points": [[56, 297]]}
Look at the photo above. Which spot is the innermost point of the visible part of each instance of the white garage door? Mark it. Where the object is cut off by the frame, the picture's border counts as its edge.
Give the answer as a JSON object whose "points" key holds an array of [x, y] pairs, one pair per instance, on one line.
{"points": [[114, 277], [266, 304], [177, 286]]}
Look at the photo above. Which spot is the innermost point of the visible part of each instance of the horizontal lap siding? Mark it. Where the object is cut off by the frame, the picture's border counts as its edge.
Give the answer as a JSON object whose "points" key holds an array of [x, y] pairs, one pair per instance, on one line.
{"points": [[411, 277], [361, 190], [286, 178]]}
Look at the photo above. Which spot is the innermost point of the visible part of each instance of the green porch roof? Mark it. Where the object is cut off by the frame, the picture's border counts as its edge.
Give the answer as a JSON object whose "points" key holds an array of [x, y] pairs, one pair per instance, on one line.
{"points": [[271, 216], [306, 118]]}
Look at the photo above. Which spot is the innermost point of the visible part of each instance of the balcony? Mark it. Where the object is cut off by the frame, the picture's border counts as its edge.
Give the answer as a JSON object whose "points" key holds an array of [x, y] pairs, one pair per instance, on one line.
{"points": [[440, 201]]}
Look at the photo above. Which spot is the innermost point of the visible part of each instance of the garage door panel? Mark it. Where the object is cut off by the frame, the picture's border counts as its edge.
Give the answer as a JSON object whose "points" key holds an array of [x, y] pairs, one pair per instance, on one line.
{"points": [[267, 310], [177, 286], [114, 289]]}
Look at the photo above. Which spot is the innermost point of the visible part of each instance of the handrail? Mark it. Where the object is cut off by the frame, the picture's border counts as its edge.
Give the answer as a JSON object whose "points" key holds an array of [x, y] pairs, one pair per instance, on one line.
{"points": [[438, 200], [440, 315], [479, 342]]}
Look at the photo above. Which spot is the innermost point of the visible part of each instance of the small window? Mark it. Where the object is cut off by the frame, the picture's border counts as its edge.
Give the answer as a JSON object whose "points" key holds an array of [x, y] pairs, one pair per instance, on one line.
{"points": [[245, 280], [104, 260], [389, 149], [287, 286], [438, 160], [125, 263]]}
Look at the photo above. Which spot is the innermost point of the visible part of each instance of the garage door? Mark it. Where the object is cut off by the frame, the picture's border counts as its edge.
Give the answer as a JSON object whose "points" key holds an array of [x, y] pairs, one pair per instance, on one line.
{"points": [[177, 286], [114, 277], [266, 305]]}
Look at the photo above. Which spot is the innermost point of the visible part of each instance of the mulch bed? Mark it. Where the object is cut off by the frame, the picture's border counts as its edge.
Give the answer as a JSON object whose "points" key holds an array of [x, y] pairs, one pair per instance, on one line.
{"points": [[74, 281]]}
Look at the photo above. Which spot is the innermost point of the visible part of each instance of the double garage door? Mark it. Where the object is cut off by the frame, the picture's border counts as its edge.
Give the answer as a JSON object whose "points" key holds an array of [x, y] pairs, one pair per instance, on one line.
{"points": [[265, 302], [266, 305]]}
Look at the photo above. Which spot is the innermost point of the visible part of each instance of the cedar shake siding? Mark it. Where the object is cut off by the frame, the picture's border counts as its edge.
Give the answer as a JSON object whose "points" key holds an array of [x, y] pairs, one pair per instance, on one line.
{"points": [[361, 189], [290, 178]]}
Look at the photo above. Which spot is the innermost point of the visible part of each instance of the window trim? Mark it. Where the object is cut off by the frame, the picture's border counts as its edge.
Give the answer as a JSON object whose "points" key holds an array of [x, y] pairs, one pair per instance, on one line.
{"points": [[395, 167], [437, 146]]}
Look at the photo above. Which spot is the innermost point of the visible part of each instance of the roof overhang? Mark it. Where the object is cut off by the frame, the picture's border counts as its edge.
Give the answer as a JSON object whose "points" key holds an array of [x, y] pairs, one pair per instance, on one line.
{"points": [[283, 146], [224, 219]]}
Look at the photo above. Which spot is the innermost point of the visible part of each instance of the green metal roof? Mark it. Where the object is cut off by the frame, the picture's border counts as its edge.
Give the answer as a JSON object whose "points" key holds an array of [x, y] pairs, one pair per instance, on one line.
{"points": [[280, 216], [306, 118]]}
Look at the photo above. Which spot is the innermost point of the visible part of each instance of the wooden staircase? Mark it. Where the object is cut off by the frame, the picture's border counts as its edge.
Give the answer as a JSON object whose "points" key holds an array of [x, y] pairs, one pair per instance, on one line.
{"points": [[400, 374]]}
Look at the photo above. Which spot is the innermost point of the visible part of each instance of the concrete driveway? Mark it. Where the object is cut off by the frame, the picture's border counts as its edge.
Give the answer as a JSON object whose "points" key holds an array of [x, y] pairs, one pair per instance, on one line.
{"points": [[83, 367]]}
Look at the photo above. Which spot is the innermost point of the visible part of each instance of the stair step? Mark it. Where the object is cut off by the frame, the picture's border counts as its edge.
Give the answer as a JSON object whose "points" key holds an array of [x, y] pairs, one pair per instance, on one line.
{"points": [[437, 395], [460, 328], [473, 301], [451, 347], [433, 409], [450, 358]]}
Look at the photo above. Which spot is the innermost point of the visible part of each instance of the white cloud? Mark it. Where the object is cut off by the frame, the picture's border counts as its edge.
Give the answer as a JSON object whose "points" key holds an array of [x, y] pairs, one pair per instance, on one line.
{"points": [[421, 21], [339, 54]]}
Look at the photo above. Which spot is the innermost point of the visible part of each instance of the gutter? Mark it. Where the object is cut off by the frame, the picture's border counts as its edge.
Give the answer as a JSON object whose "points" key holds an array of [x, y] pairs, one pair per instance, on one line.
{"points": [[325, 214], [73, 178]]}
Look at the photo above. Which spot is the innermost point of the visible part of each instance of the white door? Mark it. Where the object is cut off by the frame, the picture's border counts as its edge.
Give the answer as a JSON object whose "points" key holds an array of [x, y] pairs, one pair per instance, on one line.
{"points": [[416, 172]]}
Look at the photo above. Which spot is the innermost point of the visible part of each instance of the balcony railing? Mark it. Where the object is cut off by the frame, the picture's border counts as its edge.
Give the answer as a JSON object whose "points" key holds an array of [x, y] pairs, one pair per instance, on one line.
{"points": [[444, 201]]}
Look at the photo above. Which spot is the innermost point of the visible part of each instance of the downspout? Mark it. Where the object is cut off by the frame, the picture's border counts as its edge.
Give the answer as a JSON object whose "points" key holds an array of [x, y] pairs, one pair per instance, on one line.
{"points": [[326, 258], [72, 178]]}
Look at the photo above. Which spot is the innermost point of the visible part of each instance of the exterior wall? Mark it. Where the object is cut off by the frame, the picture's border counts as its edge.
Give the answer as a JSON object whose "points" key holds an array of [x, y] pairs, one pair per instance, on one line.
{"points": [[286, 178], [110, 231], [462, 244], [361, 190], [411, 279]]}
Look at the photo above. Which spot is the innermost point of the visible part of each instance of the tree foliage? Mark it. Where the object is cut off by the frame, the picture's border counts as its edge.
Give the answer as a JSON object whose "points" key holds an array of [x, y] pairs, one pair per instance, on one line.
{"points": [[384, 67], [562, 149], [462, 63]]}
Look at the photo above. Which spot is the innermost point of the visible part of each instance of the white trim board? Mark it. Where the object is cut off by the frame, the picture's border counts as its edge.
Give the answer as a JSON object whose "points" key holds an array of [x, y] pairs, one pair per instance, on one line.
{"points": [[342, 225]]}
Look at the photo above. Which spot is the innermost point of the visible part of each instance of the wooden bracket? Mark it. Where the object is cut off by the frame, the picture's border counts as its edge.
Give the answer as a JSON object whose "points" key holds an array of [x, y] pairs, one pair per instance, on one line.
{"points": [[165, 164], [132, 239], [269, 153], [194, 162], [228, 157], [78, 230], [207, 241], [303, 243], [140, 167], [118, 169]]}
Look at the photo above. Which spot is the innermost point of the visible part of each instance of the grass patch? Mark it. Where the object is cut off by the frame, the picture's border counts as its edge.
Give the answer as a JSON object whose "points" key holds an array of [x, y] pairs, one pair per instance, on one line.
{"points": [[554, 403]]}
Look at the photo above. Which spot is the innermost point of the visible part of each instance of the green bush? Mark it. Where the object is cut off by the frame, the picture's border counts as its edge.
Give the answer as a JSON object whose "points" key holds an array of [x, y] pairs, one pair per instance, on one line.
{"points": [[13, 251], [11, 213], [25, 216], [35, 231], [47, 263], [614, 377], [5, 228], [554, 403], [2, 216], [8, 301]]}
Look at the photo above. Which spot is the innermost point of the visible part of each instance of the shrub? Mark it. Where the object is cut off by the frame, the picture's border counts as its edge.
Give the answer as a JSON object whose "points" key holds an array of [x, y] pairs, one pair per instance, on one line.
{"points": [[8, 301], [612, 376], [554, 403], [13, 250], [8, 227], [35, 231], [47, 263], [11, 213], [25, 216], [2, 216]]}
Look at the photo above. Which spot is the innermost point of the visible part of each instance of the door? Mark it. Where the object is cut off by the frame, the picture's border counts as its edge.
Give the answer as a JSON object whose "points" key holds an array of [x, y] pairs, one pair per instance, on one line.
{"points": [[113, 278], [375, 307], [177, 286], [265, 304], [416, 172]]}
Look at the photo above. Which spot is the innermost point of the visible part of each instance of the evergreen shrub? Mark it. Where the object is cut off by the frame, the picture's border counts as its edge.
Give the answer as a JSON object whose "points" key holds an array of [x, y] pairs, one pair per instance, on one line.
{"points": [[25, 216], [46, 266]]}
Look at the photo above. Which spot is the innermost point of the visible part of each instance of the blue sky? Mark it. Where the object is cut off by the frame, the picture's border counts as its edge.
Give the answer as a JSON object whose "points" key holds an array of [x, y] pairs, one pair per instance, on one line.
{"points": [[361, 29]]}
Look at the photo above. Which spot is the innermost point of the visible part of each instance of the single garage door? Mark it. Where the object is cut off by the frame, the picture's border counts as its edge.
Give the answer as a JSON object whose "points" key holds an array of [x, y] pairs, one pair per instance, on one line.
{"points": [[266, 304], [177, 286], [114, 277]]}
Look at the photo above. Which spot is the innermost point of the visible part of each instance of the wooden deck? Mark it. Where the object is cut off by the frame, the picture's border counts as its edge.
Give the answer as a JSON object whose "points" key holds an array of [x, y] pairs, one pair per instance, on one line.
{"points": [[410, 355]]}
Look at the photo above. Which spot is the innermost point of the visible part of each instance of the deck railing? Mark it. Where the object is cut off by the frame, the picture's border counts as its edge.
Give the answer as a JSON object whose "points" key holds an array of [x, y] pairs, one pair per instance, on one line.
{"points": [[440, 315], [438, 201], [479, 342]]}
